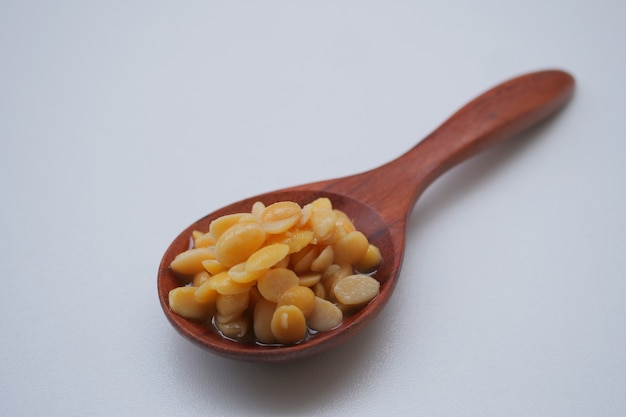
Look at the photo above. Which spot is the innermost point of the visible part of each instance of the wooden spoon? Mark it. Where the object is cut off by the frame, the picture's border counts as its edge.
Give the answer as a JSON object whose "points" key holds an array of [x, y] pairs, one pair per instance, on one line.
{"points": [[380, 201]]}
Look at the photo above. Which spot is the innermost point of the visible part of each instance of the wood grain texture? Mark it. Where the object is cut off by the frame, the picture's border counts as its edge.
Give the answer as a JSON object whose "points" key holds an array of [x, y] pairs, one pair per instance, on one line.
{"points": [[381, 199]]}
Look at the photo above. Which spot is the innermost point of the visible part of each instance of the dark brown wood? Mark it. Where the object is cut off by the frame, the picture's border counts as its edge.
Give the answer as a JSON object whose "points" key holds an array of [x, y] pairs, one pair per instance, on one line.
{"points": [[381, 199]]}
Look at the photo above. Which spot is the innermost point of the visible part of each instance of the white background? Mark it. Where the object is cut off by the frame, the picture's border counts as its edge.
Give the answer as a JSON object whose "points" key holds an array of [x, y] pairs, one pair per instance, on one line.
{"points": [[123, 122]]}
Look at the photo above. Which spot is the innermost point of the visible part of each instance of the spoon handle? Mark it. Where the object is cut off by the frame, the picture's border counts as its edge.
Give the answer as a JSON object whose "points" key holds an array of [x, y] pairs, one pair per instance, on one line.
{"points": [[496, 115]]}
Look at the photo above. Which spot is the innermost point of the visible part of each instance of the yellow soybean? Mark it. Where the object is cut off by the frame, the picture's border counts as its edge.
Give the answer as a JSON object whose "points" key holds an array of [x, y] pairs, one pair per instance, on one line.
{"points": [[241, 275], [356, 289], [323, 223], [222, 224], [370, 261], [232, 304], [275, 281], [299, 296], [224, 284], [301, 261], [266, 257], [203, 240], [351, 248], [237, 243], [213, 266], [309, 279], [189, 262], [288, 324], [325, 316], [281, 216], [262, 322], [183, 302], [199, 278], [205, 293], [323, 260], [234, 328]]}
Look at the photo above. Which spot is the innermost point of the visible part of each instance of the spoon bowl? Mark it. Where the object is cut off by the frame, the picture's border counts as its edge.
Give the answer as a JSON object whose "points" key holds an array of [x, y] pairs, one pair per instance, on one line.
{"points": [[380, 200]]}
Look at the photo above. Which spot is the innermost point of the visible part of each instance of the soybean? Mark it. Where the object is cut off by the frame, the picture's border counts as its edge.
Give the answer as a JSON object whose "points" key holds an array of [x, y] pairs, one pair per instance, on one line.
{"points": [[288, 324], [276, 272]]}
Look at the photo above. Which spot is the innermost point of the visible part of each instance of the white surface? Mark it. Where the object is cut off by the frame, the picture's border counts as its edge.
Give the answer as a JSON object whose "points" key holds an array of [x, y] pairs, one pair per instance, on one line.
{"points": [[123, 122]]}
